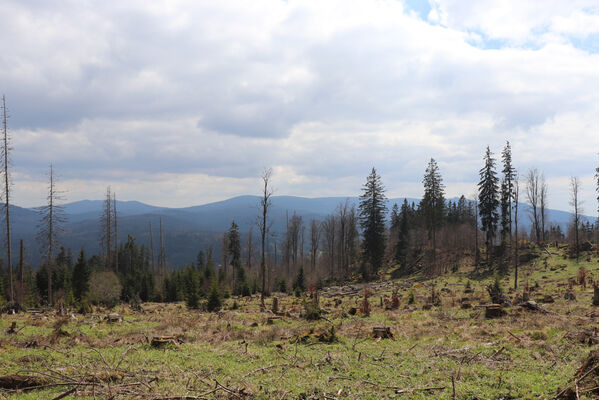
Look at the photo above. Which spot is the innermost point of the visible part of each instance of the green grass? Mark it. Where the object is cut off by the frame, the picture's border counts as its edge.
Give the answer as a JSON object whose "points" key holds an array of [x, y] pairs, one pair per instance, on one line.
{"points": [[522, 355]]}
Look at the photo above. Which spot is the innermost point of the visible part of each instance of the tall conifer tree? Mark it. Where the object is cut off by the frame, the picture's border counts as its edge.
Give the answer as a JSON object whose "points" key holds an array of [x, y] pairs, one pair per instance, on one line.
{"points": [[433, 203], [507, 192], [372, 221], [488, 202]]}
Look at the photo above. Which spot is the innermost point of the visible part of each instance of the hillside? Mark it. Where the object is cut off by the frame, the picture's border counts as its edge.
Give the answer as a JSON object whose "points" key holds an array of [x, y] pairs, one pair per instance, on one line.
{"points": [[189, 229]]}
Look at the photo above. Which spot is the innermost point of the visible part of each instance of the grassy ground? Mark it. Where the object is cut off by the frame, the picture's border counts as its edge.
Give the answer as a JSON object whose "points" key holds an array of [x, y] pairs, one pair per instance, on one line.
{"points": [[434, 353]]}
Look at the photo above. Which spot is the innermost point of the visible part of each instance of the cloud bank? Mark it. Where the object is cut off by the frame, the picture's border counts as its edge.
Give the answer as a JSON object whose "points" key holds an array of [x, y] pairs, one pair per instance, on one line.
{"points": [[184, 102]]}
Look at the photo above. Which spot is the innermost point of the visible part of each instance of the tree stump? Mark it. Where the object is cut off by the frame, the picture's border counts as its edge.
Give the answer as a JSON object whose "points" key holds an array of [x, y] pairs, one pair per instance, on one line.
{"points": [[596, 295], [275, 305], [113, 318], [569, 295], [548, 299], [494, 311], [161, 341], [383, 332]]}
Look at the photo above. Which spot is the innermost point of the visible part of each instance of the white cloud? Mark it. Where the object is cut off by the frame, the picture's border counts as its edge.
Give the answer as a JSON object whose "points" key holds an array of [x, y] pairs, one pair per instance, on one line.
{"points": [[152, 98]]}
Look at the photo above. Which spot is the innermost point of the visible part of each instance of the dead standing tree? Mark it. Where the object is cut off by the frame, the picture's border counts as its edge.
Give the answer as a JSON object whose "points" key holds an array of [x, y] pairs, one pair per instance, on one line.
{"points": [[265, 204], [5, 162], [533, 186], [516, 196], [315, 231], [52, 218], [106, 233], [116, 235], [575, 203]]}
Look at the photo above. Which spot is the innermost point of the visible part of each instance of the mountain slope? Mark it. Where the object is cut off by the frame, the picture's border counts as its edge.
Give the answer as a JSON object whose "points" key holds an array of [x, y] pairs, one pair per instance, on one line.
{"points": [[189, 229]]}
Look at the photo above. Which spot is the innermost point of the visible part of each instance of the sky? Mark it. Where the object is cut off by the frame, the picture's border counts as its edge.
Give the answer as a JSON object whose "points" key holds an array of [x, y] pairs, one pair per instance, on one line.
{"points": [[179, 103]]}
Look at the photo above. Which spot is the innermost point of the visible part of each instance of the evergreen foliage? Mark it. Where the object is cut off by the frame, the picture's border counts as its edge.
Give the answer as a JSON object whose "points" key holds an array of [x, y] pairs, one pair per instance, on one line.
{"points": [[81, 275], [372, 221], [488, 201]]}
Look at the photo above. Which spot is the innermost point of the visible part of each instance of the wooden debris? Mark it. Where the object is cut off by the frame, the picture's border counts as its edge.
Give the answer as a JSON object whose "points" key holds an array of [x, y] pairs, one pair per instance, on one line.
{"points": [[548, 299], [113, 318], [12, 329], [569, 295], [21, 382], [383, 332], [162, 341], [532, 306], [494, 311]]}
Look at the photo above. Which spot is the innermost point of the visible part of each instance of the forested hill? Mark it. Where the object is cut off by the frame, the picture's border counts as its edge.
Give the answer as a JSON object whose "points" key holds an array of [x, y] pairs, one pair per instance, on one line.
{"points": [[189, 229]]}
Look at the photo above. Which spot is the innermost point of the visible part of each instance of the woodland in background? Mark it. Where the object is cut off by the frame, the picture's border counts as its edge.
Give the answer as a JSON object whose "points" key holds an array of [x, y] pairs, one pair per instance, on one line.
{"points": [[371, 242]]}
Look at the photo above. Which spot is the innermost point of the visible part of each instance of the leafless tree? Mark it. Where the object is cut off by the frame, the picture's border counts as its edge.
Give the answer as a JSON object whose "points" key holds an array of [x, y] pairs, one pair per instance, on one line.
{"points": [[543, 204], [162, 252], [106, 233], [329, 228], [225, 253], [516, 202], [533, 188], [5, 163], [576, 207], [116, 234], [250, 248], [315, 230], [152, 266], [21, 274], [265, 204], [52, 218]]}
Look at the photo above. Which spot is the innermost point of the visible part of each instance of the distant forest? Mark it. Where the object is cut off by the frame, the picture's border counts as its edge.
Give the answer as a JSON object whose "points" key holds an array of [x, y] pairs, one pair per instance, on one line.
{"points": [[370, 240]]}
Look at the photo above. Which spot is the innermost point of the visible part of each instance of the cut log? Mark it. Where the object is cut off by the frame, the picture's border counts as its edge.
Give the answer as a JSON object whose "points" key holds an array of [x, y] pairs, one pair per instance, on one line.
{"points": [[532, 306], [21, 382]]}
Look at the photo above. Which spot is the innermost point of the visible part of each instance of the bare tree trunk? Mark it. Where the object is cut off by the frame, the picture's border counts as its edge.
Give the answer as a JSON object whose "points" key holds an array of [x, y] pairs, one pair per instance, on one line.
{"points": [[5, 161], [516, 195], [532, 195], [543, 204], [116, 235], [152, 266], [21, 276], [574, 202], [249, 259], [476, 249], [162, 256], [265, 203]]}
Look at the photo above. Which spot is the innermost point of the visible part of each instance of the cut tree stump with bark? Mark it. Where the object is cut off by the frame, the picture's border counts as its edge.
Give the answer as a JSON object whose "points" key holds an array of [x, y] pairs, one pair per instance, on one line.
{"points": [[114, 317], [494, 311], [383, 332], [161, 341]]}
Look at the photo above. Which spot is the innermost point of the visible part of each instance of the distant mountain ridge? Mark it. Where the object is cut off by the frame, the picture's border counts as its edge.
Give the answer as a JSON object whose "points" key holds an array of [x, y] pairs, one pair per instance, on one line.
{"points": [[190, 229]]}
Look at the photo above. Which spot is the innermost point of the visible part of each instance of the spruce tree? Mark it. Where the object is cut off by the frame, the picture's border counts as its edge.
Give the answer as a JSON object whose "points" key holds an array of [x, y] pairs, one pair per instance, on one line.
{"points": [[433, 203], [488, 202], [214, 302], [402, 244], [372, 221], [81, 275], [192, 288], [507, 192], [234, 250]]}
